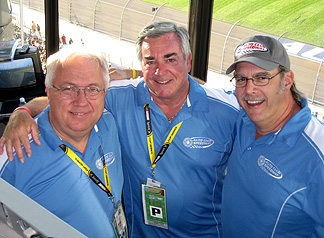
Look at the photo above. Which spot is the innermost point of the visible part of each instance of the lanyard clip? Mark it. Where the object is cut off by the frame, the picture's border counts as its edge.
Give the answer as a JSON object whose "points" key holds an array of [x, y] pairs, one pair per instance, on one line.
{"points": [[153, 173], [112, 199]]}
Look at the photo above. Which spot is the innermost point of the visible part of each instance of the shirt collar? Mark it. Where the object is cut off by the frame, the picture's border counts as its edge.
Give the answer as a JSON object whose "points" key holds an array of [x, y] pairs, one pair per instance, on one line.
{"points": [[289, 132], [54, 141], [296, 125]]}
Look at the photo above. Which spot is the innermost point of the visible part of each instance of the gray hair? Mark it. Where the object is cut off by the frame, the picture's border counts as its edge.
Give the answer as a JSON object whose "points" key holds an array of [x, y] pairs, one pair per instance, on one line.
{"points": [[297, 95], [60, 58], [157, 29]]}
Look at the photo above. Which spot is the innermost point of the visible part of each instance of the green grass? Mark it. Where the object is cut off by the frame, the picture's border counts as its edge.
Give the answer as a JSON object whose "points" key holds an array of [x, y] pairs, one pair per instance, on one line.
{"points": [[303, 20]]}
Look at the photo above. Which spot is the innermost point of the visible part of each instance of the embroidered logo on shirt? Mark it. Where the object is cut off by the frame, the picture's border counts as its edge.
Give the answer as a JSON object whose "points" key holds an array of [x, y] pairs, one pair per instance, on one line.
{"points": [[198, 142], [269, 167], [109, 158]]}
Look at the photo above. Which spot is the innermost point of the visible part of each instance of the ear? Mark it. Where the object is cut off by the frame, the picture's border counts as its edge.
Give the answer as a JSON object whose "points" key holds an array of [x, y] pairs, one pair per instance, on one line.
{"points": [[189, 58], [289, 79], [47, 92]]}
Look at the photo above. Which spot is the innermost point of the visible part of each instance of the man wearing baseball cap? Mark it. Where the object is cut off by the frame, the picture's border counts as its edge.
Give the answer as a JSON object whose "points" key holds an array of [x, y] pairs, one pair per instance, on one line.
{"points": [[274, 186]]}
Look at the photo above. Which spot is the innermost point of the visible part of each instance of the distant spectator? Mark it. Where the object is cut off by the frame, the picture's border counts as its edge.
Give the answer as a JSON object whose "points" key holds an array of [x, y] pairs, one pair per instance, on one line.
{"points": [[82, 42], [70, 41], [63, 38], [38, 29], [33, 40], [34, 26]]}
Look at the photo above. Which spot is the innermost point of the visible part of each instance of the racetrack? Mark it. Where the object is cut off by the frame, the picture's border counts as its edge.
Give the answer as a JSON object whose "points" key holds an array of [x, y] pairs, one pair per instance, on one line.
{"points": [[123, 19], [112, 17]]}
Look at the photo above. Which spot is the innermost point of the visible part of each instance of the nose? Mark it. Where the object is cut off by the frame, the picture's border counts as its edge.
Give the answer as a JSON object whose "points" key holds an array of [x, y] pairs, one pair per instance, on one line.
{"points": [[250, 87], [160, 69], [81, 99]]}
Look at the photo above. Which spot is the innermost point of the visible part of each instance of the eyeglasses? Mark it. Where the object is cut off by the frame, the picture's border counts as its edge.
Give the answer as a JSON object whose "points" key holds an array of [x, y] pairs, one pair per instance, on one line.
{"points": [[258, 80], [71, 92]]}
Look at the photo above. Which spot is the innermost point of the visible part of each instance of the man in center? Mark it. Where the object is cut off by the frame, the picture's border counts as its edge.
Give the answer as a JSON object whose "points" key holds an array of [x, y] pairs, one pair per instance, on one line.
{"points": [[190, 162]]}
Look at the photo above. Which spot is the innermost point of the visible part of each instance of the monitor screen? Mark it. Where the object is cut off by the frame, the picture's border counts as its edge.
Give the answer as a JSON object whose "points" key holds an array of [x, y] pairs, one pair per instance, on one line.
{"points": [[17, 73], [21, 77]]}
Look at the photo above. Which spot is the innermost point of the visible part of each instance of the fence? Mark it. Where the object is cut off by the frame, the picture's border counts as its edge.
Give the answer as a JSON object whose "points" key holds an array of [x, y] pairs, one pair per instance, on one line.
{"points": [[123, 19]]}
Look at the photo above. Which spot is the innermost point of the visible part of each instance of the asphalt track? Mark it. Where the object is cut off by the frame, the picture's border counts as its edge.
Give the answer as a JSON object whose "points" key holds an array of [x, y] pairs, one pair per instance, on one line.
{"points": [[123, 19], [138, 13], [113, 25]]}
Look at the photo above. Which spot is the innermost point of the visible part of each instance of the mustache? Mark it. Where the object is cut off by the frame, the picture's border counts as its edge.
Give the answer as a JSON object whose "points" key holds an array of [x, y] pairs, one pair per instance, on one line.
{"points": [[253, 98]]}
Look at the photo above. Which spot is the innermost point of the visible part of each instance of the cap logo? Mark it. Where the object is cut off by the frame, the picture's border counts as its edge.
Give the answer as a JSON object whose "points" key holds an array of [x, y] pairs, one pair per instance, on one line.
{"points": [[250, 47]]}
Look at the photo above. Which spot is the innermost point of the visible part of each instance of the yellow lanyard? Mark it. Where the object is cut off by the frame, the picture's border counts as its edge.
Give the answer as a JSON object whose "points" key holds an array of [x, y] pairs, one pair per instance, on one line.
{"points": [[105, 187], [150, 142]]}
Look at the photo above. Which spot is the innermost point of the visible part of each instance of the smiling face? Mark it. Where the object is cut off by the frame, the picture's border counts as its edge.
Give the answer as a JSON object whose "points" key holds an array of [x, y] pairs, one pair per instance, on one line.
{"points": [[164, 68], [267, 106], [74, 118]]}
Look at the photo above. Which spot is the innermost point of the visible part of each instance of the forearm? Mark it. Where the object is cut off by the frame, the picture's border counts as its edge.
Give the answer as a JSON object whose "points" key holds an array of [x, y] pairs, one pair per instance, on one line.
{"points": [[135, 73], [37, 105], [20, 124], [118, 74]]}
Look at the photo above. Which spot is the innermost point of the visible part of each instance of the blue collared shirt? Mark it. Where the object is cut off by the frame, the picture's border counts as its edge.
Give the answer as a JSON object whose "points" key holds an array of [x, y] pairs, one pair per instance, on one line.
{"points": [[192, 168], [53, 180], [275, 184]]}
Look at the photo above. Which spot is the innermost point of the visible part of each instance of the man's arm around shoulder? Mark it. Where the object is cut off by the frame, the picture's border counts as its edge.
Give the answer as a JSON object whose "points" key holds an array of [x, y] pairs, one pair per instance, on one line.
{"points": [[20, 124]]}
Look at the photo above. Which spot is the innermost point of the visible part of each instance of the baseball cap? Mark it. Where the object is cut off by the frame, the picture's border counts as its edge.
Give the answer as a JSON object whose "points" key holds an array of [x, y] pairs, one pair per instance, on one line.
{"points": [[263, 51]]}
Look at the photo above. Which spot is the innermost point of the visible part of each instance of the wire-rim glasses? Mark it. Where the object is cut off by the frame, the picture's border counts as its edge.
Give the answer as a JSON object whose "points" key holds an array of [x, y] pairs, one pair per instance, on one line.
{"points": [[71, 92], [258, 80]]}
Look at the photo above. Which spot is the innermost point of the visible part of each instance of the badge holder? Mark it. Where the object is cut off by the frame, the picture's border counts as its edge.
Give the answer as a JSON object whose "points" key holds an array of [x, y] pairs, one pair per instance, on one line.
{"points": [[154, 204], [119, 221]]}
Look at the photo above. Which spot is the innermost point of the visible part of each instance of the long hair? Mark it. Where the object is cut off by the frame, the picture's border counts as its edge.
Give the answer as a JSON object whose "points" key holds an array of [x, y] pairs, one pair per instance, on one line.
{"points": [[297, 95]]}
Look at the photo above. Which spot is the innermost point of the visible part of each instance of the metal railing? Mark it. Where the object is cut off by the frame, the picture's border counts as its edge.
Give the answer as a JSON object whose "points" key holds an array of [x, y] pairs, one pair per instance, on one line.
{"points": [[123, 19]]}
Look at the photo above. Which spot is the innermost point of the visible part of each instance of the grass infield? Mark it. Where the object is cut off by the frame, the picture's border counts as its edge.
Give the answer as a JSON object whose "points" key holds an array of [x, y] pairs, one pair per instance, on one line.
{"points": [[303, 20]]}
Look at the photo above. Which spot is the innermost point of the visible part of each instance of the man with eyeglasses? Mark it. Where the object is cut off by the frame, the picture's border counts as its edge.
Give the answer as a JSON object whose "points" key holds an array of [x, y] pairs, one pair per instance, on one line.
{"points": [[76, 173], [274, 185]]}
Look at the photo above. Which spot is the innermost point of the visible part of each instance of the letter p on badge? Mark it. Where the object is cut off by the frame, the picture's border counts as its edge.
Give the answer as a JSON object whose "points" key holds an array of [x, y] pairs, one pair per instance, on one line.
{"points": [[156, 212], [154, 206]]}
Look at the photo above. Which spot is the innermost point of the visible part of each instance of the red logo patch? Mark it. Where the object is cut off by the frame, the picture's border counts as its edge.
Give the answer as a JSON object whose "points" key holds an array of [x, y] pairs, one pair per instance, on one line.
{"points": [[250, 47]]}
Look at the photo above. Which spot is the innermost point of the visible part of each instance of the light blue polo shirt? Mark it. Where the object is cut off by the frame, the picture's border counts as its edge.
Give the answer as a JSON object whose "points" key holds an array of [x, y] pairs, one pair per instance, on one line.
{"points": [[275, 184], [192, 168], [53, 180]]}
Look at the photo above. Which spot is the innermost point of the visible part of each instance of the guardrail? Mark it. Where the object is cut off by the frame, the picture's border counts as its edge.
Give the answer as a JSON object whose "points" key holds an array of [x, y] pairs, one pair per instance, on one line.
{"points": [[123, 20]]}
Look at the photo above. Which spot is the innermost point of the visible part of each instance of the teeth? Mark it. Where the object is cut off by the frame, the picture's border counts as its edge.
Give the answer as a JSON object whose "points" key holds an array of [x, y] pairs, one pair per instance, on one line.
{"points": [[79, 114], [254, 102], [163, 82]]}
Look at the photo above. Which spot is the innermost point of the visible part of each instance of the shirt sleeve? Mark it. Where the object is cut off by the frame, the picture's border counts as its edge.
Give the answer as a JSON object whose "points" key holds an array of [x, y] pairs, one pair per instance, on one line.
{"points": [[6, 171], [314, 197]]}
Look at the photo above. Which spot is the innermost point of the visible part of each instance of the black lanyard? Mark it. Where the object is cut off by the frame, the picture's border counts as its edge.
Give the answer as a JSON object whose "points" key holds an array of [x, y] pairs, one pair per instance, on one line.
{"points": [[104, 187], [150, 142]]}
